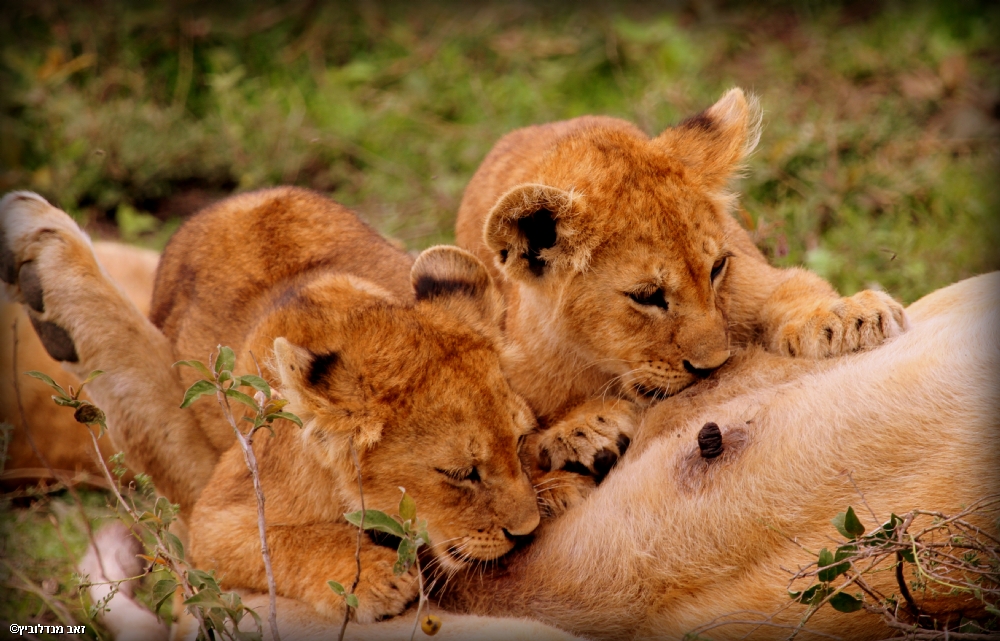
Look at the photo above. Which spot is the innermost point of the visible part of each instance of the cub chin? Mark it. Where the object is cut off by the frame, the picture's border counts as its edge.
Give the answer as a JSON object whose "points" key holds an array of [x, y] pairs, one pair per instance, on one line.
{"points": [[627, 278]]}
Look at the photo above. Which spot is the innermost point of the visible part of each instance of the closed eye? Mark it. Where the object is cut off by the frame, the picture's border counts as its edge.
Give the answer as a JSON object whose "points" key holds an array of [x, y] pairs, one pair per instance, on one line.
{"points": [[652, 298], [470, 474], [719, 265]]}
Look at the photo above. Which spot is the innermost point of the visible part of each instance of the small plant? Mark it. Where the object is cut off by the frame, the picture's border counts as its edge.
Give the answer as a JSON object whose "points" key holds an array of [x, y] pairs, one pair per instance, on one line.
{"points": [[412, 534], [220, 380], [218, 613], [944, 556]]}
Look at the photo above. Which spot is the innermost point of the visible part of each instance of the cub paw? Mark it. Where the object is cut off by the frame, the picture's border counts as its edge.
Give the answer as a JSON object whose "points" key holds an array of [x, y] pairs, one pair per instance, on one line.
{"points": [[32, 235], [841, 326], [558, 491], [381, 592], [589, 440]]}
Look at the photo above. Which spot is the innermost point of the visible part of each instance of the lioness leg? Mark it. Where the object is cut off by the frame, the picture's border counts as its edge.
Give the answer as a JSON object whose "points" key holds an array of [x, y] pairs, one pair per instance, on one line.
{"points": [[84, 320]]}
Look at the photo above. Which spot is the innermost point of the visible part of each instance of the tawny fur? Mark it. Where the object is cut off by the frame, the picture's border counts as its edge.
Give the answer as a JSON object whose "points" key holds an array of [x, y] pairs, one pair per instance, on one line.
{"points": [[410, 373], [62, 441], [625, 274]]}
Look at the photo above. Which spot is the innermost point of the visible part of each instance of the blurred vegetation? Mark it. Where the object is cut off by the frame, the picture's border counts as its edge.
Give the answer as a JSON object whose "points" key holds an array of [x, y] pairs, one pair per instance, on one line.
{"points": [[877, 165]]}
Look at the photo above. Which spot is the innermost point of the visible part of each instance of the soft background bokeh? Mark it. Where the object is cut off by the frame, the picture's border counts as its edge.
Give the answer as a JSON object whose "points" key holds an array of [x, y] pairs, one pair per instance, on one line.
{"points": [[878, 163]]}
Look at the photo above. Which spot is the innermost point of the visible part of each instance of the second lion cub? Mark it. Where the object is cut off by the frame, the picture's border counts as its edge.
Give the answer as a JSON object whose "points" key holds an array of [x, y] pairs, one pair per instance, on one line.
{"points": [[626, 276]]}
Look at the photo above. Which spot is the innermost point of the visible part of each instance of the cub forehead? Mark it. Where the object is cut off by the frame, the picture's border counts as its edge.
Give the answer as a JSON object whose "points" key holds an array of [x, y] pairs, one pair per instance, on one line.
{"points": [[659, 260]]}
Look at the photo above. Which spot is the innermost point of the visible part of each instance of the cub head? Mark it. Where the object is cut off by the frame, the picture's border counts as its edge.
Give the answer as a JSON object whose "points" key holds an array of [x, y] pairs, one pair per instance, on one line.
{"points": [[619, 244], [416, 388]]}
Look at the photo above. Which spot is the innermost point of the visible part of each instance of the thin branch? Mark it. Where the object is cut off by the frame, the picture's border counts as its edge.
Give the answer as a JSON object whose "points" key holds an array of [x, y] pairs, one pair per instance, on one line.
{"points": [[357, 550], [246, 444], [34, 448], [862, 495], [423, 597]]}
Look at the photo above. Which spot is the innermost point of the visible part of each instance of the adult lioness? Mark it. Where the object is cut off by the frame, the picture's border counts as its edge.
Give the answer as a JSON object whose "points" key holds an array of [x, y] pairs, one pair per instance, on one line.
{"points": [[672, 541], [410, 375], [626, 275]]}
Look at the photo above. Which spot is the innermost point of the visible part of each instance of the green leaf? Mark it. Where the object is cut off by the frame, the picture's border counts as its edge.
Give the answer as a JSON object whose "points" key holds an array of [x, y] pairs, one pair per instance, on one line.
{"points": [[993, 610], [91, 376], [848, 524], [336, 587], [196, 391], [811, 596], [825, 559], [887, 531], [376, 520], [406, 554], [844, 602], [288, 416], [256, 382], [237, 395], [206, 599], [175, 545], [198, 365], [844, 553], [66, 401], [907, 555], [225, 361], [853, 524], [407, 508], [162, 590], [352, 600], [203, 580], [45, 378]]}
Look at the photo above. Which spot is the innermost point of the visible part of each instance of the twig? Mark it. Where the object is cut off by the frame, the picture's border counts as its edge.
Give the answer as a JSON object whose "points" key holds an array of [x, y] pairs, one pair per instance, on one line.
{"points": [[862, 495], [34, 448], [28, 586], [246, 444], [423, 597], [357, 550], [175, 566]]}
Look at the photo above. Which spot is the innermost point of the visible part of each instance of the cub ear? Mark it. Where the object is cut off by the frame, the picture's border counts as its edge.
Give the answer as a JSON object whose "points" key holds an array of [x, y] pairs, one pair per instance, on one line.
{"points": [[323, 394], [456, 280], [535, 229], [715, 142]]}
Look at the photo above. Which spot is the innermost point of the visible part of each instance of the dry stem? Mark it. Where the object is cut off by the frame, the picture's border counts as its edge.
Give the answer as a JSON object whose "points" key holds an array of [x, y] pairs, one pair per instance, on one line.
{"points": [[246, 444], [357, 550]]}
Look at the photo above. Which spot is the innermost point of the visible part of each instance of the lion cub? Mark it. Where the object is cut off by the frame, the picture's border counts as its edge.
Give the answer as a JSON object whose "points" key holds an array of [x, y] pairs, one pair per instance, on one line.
{"points": [[626, 277], [403, 361]]}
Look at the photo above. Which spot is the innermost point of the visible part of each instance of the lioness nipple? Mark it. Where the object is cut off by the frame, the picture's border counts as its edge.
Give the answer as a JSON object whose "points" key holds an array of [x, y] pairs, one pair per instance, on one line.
{"points": [[710, 441]]}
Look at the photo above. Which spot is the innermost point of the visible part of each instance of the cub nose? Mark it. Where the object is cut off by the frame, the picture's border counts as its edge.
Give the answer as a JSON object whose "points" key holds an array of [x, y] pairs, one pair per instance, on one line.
{"points": [[703, 367], [526, 526]]}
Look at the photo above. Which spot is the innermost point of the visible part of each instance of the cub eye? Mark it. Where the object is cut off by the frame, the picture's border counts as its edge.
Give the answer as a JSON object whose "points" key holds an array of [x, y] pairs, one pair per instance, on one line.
{"points": [[463, 474], [719, 266], [654, 298]]}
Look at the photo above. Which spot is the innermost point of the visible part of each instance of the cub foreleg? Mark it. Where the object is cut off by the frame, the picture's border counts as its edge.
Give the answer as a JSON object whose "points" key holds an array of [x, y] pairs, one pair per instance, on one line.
{"points": [[84, 320], [576, 452], [803, 317], [304, 557]]}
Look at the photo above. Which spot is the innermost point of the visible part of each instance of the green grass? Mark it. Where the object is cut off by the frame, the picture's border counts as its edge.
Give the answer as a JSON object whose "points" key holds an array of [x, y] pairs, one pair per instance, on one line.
{"points": [[878, 162], [876, 166]]}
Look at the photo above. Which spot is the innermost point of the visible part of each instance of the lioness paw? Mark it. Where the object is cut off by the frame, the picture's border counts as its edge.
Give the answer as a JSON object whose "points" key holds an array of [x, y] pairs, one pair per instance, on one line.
{"points": [[840, 326], [589, 440]]}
